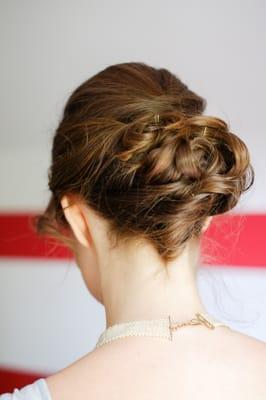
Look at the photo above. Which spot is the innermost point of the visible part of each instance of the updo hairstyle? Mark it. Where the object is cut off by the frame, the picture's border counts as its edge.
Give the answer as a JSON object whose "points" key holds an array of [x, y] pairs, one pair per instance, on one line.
{"points": [[133, 144]]}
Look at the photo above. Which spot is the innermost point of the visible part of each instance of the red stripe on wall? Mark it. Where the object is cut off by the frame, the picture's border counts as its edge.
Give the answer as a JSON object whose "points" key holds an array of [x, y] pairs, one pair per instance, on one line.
{"points": [[236, 240], [15, 378], [232, 239], [18, 239]]}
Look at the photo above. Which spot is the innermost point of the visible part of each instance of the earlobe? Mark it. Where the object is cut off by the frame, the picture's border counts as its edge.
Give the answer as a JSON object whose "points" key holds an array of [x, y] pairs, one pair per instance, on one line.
{"points": [[77, 222]]}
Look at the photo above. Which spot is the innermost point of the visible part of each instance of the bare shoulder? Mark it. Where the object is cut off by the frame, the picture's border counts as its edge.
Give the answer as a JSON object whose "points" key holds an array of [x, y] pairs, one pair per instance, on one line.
{"points": [[228, 359], [91, 376], [245, 357], [238, 346], [248, 345], [79, 379]]}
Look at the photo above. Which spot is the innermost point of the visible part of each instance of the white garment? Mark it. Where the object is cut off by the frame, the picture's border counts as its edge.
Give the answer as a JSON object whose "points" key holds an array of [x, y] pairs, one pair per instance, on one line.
{"points": [[38, 390]]}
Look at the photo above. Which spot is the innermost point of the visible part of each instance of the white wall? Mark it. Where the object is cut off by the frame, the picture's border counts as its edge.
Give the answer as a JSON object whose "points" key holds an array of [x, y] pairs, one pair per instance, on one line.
{"points": [[49, 47]]}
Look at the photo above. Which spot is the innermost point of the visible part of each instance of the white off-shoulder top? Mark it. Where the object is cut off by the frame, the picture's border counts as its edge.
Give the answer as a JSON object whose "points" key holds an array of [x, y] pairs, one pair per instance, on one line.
{"points": [[37, 390]]}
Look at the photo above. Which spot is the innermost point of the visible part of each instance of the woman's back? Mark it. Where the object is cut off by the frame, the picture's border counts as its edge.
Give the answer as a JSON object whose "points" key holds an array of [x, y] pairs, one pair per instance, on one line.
{"points": [[198, 363]]}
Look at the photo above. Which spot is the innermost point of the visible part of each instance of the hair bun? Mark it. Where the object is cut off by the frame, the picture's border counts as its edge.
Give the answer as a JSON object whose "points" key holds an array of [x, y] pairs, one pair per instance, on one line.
{"points": [[134, 143], [198, 154]]}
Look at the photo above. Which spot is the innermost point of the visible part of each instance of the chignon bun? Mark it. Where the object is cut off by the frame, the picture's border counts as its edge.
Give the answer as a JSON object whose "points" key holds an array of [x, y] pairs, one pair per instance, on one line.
{"points": [[134, 143]]}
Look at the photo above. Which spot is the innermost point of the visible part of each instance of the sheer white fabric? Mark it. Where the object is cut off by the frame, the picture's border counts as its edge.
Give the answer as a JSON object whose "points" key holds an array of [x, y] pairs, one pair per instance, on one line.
{"points": [[37, 390]]}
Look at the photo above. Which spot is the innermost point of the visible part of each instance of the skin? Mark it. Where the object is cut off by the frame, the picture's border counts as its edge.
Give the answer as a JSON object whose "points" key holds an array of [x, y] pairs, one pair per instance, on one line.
{"points": [[132, 283]]}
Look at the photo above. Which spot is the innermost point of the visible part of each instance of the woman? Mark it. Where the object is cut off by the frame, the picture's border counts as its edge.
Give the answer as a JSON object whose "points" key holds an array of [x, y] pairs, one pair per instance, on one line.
{"points": [[137, 175]]}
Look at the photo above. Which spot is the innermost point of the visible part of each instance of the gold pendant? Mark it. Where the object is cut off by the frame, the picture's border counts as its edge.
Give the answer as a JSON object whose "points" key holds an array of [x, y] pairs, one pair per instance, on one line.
{"points": [[199, 320]]}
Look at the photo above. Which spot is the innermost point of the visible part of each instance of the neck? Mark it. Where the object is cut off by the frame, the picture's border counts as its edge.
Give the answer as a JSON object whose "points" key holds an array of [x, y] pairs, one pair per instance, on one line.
{"points": [[136, 285]]}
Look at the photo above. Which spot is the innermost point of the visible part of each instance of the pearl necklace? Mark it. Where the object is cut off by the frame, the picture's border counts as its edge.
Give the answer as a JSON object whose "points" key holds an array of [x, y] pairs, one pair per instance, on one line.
{"points": [[162, 327]]}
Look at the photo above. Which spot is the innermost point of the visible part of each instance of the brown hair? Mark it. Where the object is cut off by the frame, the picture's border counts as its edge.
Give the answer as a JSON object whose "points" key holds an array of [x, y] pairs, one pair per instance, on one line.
{"points": [[133, 143]]}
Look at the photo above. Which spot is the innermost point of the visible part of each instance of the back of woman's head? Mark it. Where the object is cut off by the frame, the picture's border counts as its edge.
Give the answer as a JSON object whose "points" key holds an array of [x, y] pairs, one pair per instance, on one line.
{"points": [[134, 145]]}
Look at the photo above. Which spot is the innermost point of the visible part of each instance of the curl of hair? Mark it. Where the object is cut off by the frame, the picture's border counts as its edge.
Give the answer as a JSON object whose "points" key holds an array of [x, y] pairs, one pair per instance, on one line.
{"points": [[151, 179]]}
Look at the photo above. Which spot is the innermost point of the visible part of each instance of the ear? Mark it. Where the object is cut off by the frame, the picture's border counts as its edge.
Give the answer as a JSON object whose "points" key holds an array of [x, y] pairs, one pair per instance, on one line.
{"points": [[207, 223], [76, 219]]}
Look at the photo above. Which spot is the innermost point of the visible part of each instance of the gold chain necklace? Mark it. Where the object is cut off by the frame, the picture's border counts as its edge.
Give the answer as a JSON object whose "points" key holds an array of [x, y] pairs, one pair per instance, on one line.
{"points": [[162, 327], [199, 320]]}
